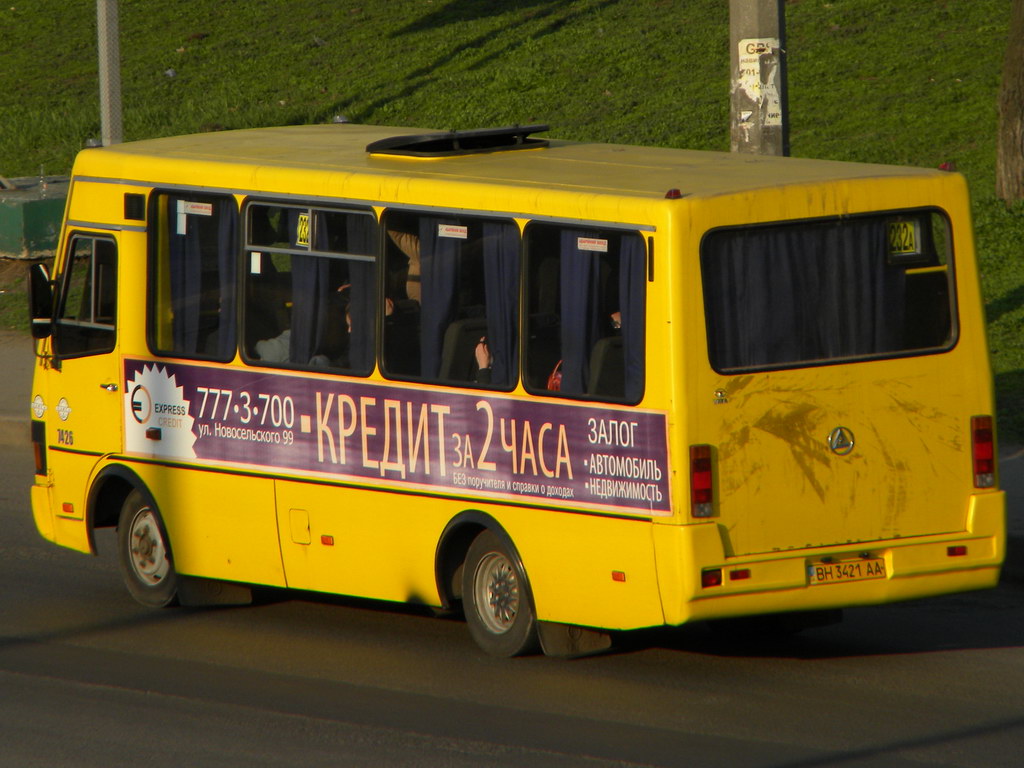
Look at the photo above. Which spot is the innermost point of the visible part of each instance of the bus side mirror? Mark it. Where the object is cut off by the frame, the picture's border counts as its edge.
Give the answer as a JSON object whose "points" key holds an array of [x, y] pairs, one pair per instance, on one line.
{"points": [[40, 301]]}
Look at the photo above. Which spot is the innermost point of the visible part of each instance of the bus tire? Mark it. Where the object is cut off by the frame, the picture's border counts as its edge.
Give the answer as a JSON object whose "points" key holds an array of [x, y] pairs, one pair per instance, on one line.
{"points": [[145, 554], [496, 598]]}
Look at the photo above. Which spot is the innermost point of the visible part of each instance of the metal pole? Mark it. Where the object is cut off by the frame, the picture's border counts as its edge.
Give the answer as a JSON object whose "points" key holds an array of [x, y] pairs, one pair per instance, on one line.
{"points": [[110, 71], [759, 119]]}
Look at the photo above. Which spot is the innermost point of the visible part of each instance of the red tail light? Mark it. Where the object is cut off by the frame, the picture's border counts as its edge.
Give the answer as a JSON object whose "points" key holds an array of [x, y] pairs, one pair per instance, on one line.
{"points": [[983, 451], [711, 577], [701, 489]]}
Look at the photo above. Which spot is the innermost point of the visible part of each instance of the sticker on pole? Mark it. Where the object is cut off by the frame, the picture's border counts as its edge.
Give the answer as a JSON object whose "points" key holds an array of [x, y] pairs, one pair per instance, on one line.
{"points": [[758, 76]]}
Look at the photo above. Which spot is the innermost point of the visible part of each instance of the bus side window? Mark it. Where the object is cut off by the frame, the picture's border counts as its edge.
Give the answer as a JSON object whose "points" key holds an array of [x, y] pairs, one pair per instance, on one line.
{"points": [[86, 321], [451, 293], [310, 292], [192, 277], [586, 302]]}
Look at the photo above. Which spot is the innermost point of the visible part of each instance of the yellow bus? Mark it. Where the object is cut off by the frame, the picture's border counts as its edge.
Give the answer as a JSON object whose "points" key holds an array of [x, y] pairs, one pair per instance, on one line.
{"points": [[567, 388]]}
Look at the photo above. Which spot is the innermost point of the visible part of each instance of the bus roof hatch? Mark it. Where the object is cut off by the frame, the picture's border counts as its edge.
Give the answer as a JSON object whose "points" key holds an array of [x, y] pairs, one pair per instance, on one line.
{"points": [[460, 142]]}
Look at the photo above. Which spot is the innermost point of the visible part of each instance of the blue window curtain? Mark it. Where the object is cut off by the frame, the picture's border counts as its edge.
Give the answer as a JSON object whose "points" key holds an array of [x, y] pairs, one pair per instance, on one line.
{"points": [[186, 269], [227, 274], [801, 293], [580, 280], [501, 290], [310, 293], [362, 239], [439, 275], [314, 294], [185, 253], [632, 292], [310, 278]]}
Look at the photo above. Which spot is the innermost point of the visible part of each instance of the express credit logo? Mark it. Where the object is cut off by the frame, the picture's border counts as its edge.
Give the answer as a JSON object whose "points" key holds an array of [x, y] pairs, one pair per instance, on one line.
{"points": [[142, 404]]}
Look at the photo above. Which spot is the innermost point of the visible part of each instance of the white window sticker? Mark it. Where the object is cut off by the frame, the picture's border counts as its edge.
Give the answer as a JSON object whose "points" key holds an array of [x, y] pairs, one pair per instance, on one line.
{"points": [[255, 263], [196, 209], [452, 230], [182, 219], [185, 208], [595, 244]]}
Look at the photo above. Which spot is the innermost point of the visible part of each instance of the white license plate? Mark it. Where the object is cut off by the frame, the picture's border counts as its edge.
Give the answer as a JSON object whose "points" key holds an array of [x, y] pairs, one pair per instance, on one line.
{"points": [[846, 570]]}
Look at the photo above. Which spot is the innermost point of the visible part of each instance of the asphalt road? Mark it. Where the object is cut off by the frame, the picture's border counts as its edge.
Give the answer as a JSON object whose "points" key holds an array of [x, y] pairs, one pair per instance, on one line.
{"points": [[89, 678]]}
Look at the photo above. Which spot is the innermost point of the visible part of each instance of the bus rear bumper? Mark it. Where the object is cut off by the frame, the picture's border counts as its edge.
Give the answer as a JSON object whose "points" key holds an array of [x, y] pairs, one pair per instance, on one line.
{"points": [[707, 584]]}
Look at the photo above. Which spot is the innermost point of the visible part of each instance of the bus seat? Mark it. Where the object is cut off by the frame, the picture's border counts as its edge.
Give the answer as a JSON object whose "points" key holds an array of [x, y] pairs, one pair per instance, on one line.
{"points": [[607, 368], [458, 361]]}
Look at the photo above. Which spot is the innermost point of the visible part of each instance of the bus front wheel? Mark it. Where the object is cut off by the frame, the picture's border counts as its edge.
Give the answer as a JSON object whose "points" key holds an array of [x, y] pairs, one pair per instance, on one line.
{"points": [[496, 598], [144, 553]]}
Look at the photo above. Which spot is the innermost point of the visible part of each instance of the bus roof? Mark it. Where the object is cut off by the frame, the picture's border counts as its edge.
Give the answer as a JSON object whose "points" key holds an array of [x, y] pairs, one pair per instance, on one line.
{"points": [[589, 168]]}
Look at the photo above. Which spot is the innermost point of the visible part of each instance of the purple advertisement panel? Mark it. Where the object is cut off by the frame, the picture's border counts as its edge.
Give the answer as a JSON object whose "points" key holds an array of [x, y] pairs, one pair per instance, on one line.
{"points": [[459, 441]]}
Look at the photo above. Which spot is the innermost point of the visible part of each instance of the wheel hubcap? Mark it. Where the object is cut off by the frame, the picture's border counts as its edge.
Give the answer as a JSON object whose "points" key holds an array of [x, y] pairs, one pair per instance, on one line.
{"points": [[149, 556], [497, 593]]}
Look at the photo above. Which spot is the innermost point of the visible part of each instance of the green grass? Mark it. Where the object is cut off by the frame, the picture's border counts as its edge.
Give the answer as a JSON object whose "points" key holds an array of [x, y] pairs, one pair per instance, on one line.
{"points": [[897, 81]]}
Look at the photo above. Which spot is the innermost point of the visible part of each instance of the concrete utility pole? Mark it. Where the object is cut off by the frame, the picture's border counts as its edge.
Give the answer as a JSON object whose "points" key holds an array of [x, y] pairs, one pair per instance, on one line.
{"points": [[759, 119], [107, 36]]}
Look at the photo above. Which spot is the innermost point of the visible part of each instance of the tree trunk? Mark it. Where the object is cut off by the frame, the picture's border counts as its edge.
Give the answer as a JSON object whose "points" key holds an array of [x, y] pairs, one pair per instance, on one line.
{"points": [[1010, 144]]}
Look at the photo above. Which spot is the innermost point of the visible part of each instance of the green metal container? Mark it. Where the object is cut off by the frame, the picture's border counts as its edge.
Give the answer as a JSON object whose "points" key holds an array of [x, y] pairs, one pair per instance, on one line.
{"points": [[31, 209]]}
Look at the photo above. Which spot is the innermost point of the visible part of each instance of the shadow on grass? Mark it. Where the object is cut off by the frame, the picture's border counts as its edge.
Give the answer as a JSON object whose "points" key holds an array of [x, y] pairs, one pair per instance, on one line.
{"points": [[470, 10], [551, 14], [1005, 304]]}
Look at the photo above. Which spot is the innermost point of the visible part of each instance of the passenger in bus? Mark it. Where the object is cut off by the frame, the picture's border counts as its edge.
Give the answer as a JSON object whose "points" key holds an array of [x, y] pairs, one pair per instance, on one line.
{"points": [[332, 350], [409, 244], [482, 353], [274, 350], [402, 304]]}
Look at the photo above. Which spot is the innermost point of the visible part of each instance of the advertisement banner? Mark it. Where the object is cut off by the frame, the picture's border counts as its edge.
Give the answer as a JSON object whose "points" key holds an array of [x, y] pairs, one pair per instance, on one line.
{"points": [[433, 439]]}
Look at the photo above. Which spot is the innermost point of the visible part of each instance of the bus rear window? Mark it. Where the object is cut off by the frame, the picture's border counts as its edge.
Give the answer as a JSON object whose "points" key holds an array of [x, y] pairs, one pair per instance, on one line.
{"points": [[823, 291]]}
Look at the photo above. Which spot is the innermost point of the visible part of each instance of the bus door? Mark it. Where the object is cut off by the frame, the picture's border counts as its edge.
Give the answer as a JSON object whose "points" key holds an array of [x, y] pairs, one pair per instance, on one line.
{"points": [[84, 392]]}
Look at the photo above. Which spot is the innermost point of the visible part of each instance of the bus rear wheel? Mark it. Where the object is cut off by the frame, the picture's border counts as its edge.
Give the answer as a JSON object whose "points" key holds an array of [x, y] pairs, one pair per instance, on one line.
{"points": [[496, 598], [144, 553]]}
